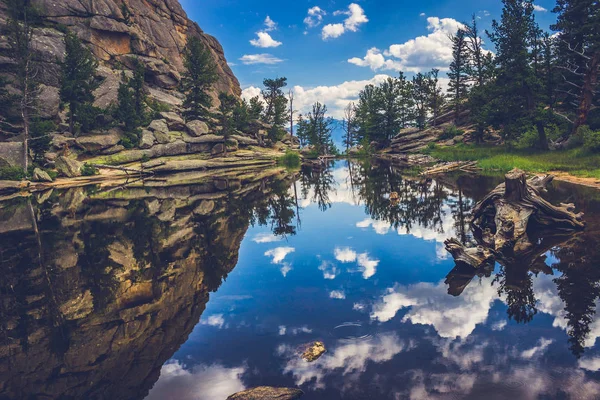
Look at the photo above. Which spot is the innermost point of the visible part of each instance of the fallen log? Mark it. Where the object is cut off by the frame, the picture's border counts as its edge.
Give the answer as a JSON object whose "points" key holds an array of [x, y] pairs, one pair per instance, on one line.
{"points": [[464, 166], [124, 169]]}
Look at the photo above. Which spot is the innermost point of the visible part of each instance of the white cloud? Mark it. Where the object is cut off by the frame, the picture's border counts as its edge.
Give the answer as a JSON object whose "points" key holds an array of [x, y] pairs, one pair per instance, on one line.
{"points": [[337, 294], [422, 14], [285, 268], [344, 254], [329, 269], [201, 382], [542, 345], [336, 97], [283, 330], [356, 17], [264, 40], [350, 359], [270, 25], [380, 227], [367, 264], [264, 58], [539, 8], [279, 254], [266, 238], [590, 363], [314, 17], [415, 55], [332, 31], [430, 304], [214, 320], [499, 325]]}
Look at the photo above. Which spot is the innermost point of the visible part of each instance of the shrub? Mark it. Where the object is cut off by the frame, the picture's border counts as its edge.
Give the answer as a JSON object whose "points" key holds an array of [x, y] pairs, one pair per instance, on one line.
{"points": [[11, 173], [528, 140], [291, 159], [591, 139], [451, 132], [145, 158], [88, 170], [131, 139], [40, 138]]}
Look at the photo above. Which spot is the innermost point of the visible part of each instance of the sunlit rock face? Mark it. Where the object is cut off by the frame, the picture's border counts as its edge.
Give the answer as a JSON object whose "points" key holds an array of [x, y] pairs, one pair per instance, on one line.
{"points": [[117, 32], [114, 283]]}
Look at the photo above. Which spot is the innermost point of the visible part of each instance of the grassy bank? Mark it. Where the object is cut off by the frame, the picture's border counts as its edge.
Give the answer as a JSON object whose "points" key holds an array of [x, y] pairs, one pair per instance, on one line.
{"points": [[577, 162]]}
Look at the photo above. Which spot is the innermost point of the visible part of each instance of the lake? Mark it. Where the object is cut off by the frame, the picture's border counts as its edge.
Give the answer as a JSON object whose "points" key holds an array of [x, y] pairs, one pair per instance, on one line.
{"points": [[200, 289]]}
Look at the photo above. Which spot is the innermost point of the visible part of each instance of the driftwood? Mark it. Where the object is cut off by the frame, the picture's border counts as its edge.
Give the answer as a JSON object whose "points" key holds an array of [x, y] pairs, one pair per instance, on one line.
{"points": [[124, 169], [504, 220], [464, 166]]}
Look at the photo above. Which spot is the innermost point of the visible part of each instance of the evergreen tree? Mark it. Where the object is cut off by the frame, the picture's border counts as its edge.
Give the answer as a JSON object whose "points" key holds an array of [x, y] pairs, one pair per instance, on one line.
{"points": [[367, 116], [435, 100], [241, 115], [131, 99], [420, 95], [255, 108], [479, 69], [77, 79], [388, 95], [200, 73], [225, 116], [276, 107], [302, 130], [579, 55], [406, 103], [516, 85], [459, 72], [319, 129]]}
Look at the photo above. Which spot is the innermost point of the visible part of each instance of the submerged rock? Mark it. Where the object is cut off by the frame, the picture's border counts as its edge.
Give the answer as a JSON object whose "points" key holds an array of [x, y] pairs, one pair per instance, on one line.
{"points": [[267, 393], [68, 167], [314, 351]]}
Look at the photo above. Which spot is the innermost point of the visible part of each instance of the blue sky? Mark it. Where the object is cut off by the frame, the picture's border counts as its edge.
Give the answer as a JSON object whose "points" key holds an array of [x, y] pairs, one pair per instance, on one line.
{"points": [[329, 49]]}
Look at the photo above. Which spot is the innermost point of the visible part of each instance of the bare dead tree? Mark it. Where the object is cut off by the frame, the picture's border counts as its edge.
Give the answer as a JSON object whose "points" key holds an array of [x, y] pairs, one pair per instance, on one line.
{"points": [[348, 124], [292, 111]]}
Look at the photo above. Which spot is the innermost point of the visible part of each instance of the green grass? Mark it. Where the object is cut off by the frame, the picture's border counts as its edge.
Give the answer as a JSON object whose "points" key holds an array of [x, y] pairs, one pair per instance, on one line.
{"points": [[291, 159], [502, 159]]}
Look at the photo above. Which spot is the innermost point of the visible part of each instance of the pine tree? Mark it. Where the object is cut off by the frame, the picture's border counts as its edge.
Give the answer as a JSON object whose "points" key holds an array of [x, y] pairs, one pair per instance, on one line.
{"points": [[367, 116], [579, 55], [131, 99], [255, 108], [478, 68], [458, 74], [276, 107], [406, 103], [319, 129], [225, 116], [199, 76], [516, 85], [435, 100], [420, 95], [77, 78], [388, 95]]}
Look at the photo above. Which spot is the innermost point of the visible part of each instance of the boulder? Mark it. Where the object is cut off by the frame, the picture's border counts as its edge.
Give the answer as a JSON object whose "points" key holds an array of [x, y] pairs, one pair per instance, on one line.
{"points": [[94, 143], [197, 128], [162, 137], [113, 150], [68, 167], [217, 149], [267, 393], [244, 140], [147, 139], [174, 121], [313, 351], [12, 153], [41, 176], [159, 125], [205, 207], [48, 101]]}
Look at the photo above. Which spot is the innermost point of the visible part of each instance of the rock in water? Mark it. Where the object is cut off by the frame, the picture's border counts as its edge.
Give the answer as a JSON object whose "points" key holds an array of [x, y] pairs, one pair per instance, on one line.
{"points": [[314, 351], [41, 176], [68, 167], [267, 393]]}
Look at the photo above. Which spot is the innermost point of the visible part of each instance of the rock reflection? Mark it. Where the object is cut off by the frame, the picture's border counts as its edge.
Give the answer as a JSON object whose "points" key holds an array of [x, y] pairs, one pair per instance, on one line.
{"points": [[99, 289]]}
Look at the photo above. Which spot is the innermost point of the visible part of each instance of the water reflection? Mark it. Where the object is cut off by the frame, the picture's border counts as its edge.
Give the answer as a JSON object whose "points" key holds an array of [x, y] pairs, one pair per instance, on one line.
{"points": [[112, 296]]}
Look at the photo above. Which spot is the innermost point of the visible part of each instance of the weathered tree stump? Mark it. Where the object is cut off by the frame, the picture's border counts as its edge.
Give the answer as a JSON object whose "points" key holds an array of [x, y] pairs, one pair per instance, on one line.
{"points": [[501, 220]]}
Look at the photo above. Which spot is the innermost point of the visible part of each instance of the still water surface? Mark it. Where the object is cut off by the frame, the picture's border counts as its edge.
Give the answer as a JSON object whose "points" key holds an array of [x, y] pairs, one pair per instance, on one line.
{"points": [[200, 291]]}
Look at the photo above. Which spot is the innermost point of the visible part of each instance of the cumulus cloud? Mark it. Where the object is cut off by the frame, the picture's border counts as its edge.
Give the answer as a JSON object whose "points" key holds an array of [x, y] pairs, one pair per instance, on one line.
{"points": [[279, 254], [216, 320], [590, 363], [346, 255], [415, 55], [355, 17], [542, 345], [336, 97], [266, 238], [264, 40], [329, 269], [350, 359], [270, 25], [337, 294], [314, 17], [380, 227], [201, 382], [539, 8], [430, 304], [264, 58]]}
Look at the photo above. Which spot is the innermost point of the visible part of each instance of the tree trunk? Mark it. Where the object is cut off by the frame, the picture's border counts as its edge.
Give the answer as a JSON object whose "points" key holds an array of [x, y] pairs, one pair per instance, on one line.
{"points": [[587, 93], [542, 138]]}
